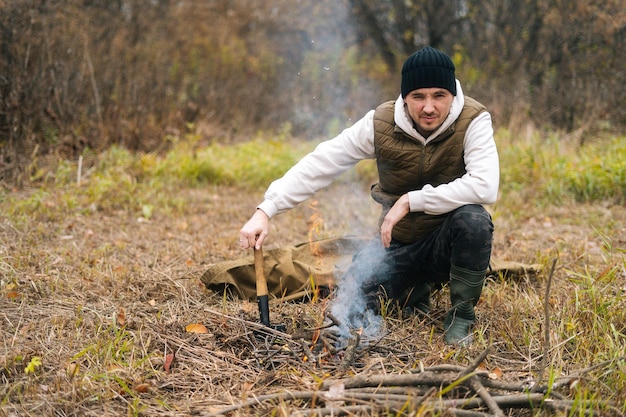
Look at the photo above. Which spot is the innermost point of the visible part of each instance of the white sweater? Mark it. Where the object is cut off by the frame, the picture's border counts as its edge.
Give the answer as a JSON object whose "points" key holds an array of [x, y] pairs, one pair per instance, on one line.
{"points": [[333, 157]]}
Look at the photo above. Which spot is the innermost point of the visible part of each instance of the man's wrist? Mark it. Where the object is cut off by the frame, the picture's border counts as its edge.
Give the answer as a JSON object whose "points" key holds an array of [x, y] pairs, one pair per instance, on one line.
{"points": [[268, 207], [416, 200], [260, 212]]}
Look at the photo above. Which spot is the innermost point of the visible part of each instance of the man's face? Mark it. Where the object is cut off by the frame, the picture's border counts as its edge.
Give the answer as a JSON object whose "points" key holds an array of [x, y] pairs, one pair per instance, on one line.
{"points": [[428, 107]]}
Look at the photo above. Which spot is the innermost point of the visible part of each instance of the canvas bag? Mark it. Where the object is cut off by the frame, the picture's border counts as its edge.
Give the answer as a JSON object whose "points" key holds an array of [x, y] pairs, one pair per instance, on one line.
{"points": [[294, 272]]}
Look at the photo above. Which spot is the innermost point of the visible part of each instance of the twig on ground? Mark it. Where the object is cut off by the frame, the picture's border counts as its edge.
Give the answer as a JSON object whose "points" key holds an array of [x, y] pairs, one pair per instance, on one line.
{"points": [[480, 390], [475, 363], [258, 400], [350, 352], [477, 386], [361, 381], [307, 351], [546, 325], [459, 412], [330, 347], [335, 321], [261, 328]]}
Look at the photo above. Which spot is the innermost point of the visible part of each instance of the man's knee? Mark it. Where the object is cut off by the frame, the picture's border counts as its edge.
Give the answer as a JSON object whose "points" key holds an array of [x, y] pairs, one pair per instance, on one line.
{"points": [[472, 236], [472, 220]]}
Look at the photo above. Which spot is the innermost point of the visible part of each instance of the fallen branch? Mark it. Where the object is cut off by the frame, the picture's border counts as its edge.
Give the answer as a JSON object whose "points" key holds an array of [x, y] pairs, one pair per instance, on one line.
{"points": [[479, 389], [475, 384]]}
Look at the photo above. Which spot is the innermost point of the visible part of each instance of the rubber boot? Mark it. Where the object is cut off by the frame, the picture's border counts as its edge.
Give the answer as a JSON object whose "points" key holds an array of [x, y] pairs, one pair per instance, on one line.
{"points": [[465, 289], [418, 299]]}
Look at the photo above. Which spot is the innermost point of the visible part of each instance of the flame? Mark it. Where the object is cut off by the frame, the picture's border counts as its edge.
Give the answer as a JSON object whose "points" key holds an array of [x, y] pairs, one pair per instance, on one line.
{"points": [[316, 336], [316, 223]]}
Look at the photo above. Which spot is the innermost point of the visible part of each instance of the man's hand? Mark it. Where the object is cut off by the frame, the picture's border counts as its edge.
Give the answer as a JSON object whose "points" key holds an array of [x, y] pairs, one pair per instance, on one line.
{"points": [[394, 215], [253, 233]]}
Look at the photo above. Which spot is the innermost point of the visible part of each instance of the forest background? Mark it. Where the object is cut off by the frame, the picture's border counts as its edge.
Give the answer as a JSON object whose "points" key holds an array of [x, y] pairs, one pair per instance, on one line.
{"points": [[78, 76]]}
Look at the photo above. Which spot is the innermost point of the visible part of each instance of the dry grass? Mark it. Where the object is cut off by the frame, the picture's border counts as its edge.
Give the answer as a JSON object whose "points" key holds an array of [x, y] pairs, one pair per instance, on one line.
{"points": [[103, 298]]}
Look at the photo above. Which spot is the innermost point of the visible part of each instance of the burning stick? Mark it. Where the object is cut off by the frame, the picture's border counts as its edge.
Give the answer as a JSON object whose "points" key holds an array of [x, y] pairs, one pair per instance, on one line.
{"points": [[308, 355], [328, 345], [333, 319], [350, 353]]}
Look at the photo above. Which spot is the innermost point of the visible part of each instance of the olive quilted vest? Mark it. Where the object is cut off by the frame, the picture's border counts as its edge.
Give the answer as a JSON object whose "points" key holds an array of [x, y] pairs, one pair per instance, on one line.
{"points": [[405, 164]]}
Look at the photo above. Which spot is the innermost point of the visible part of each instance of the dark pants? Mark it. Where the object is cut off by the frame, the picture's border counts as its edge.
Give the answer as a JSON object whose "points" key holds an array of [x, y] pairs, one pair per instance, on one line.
{"points": [[463, 240]]}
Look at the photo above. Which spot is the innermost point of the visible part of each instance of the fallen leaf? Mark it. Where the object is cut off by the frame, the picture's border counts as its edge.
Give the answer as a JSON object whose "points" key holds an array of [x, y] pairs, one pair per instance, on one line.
{"points": [[12, 295], [169, 359], [496, 373], [121, 269], [114, 367], [141, 388], [196, 328], [121, 318]]}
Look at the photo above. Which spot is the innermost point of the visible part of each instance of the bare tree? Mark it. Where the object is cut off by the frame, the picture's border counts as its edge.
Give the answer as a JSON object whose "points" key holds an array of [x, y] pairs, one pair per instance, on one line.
{"points": [[399, 27]]}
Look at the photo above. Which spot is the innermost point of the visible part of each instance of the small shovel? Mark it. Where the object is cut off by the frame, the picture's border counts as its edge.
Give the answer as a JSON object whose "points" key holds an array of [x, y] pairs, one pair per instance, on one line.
{"points": [[261, 291], [261, 287]]}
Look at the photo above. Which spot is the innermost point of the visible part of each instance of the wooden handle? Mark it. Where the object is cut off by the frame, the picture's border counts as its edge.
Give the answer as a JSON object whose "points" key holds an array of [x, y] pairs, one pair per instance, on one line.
{"points": [[261, 288], [259, 270]]}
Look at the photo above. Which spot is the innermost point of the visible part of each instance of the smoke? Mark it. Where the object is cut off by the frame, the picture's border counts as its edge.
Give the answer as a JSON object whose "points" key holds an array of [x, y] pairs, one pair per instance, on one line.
{"points": [[351, 306], [321, 75]]}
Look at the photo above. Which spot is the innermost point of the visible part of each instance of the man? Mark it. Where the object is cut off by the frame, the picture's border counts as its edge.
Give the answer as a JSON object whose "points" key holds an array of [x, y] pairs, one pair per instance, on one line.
{"points": [[437, 164]]}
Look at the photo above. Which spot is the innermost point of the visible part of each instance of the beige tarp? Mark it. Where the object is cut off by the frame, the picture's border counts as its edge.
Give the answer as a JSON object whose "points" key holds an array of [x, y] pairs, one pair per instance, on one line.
{"points": [[292, 271]]}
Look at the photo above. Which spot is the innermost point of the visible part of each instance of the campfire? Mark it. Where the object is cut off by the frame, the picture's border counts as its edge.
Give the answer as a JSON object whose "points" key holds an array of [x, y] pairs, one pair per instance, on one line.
{"points": [[328, 346], [325, 347]]}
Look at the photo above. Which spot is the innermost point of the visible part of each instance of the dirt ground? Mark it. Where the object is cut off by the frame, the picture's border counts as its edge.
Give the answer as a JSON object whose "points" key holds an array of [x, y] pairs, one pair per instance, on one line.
{"points": [[104, 300]]}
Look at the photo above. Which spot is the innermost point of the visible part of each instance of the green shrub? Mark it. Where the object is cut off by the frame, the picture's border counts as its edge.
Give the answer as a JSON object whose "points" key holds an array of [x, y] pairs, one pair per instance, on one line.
{"points": [[599, 172], [549, 170]]}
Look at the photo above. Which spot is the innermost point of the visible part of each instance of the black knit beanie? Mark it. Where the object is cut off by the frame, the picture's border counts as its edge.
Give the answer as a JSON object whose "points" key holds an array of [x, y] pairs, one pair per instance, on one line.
{"points": [[428, 68]]}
